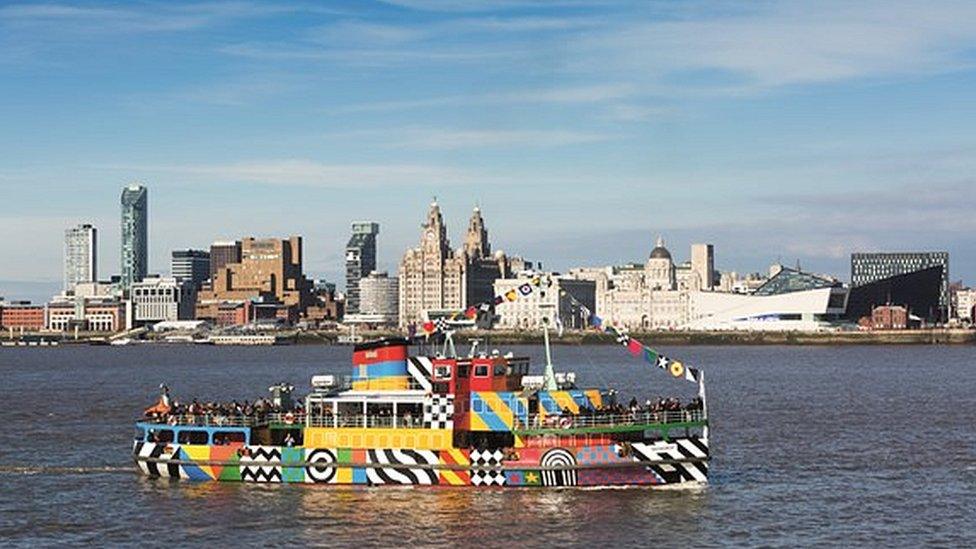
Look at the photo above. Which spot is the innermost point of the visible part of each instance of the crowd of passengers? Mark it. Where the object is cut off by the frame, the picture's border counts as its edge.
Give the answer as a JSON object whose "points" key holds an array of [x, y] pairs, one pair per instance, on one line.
{"points": [[217, 411], [656, 410]]}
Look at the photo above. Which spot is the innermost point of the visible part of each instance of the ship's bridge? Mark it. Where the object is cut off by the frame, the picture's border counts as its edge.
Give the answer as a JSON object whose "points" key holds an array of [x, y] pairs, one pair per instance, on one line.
{"points": [[359, 408]]}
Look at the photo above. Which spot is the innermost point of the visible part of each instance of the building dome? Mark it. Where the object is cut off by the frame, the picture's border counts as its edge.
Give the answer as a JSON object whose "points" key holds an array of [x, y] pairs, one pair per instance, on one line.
{"points": [[659, 251]]}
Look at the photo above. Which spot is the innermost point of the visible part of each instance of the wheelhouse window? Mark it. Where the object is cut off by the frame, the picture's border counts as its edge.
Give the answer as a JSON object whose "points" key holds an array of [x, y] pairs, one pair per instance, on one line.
{"points": [[481, 371], [442, 372]]}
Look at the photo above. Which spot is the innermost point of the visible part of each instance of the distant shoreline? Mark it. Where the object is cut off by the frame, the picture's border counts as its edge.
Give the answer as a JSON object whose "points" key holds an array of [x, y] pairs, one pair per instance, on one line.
{"points": [[494, 338], [900, 337]]}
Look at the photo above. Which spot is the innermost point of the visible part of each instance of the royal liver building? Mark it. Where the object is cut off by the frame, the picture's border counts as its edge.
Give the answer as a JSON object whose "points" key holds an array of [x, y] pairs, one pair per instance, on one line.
{"points": [[435, 278]]}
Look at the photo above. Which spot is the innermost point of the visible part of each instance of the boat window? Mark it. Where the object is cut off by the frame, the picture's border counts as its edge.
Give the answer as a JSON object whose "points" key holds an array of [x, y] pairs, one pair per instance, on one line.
{"points": [[481, 371], [462, 370], [161, 435], [192, 437], [442, 372], [232, 437], [500, 369]]}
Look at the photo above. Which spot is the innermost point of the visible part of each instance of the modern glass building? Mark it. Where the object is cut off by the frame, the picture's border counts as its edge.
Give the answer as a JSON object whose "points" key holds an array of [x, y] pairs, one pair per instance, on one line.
{"points": [[867, 268], [191, 267], [791, 280], [360, 260], [135, 235], [80, 255]]}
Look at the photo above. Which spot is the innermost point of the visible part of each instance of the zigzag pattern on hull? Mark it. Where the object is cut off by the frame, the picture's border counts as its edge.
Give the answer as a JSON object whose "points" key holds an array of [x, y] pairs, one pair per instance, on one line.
{"points": [[402, 475], [251, 459], [683, 448]]}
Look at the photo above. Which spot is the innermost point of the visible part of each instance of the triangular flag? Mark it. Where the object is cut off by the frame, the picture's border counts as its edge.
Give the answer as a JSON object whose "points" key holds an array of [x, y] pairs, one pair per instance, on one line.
{"points": [[635, 347]]}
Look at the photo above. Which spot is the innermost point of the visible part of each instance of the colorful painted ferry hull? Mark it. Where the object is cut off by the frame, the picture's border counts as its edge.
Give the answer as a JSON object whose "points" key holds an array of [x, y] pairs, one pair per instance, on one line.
{"points": [[678, 461], [417, 420]]}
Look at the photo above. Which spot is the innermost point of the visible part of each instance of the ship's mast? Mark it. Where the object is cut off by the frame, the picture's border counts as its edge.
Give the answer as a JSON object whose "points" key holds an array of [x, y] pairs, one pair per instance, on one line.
{"points": [[550, 373]]}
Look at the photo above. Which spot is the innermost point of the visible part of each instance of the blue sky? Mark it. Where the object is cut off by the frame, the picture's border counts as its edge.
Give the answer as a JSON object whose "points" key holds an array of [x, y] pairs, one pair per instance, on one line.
{"points": [[776, 130]]}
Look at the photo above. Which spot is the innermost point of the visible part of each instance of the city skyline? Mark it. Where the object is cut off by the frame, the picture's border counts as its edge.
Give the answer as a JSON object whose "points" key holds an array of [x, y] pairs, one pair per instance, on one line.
{"points": [[813, 139]]}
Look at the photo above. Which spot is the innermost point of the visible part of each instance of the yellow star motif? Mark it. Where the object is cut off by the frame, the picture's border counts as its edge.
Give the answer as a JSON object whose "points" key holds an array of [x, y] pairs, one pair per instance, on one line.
{"points": [[531, 478]]}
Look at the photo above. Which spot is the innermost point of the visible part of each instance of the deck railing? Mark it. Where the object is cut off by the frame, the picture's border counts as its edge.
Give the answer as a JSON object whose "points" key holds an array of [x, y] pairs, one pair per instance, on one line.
{"points": [[537, 422], [210, 420], [557, 421]]}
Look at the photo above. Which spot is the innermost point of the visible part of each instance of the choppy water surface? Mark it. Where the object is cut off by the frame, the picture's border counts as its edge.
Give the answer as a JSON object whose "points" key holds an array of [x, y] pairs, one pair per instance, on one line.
{"points": [[812, 446]]}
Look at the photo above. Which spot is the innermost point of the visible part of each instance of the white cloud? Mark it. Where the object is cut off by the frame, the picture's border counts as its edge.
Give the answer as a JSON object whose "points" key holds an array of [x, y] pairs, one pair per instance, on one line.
{"points": [[137, 18], [563, 95], [771, 45], [441, 139], [307, 173]]}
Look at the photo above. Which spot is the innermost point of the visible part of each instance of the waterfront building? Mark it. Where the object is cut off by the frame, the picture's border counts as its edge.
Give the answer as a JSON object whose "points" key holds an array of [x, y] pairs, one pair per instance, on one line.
{"points": [[380, 301], [918, 291], [93, 315], [80, 255], [222, 254], [360, 260], [23, 316], [134, 263], [888, 317], [269, 271], [792, 300], [327, 306], [156, 299], [870, 267], [435, 279], [965, 303], [562, 300], [431, 275], [191, 267]]}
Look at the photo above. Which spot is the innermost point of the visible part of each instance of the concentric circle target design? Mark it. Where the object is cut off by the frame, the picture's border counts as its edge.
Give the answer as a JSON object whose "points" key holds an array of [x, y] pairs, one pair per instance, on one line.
{"points": [[320, 467]]}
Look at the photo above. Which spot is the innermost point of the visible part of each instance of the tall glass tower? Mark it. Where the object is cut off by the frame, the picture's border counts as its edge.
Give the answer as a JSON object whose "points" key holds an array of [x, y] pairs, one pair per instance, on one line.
{"points": [[135, 234], [360, 260]]}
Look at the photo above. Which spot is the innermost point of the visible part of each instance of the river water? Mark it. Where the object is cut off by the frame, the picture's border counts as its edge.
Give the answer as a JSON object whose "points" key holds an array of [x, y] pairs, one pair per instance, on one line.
{"points": [[812, 446]]}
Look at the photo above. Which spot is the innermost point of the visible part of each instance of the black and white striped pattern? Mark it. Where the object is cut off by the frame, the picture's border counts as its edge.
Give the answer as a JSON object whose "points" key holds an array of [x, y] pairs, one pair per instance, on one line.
{"points": [[678, 449], [558, 457], [439, 412], [252, 458], [401, 474], [487, 477], [421, 369], [158, 451]]}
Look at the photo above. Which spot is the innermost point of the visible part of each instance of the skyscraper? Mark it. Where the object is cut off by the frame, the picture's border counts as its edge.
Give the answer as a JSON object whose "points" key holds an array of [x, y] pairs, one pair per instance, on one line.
{"points": [[360, 260], [80, 255], [191, 267], [135, 235]]}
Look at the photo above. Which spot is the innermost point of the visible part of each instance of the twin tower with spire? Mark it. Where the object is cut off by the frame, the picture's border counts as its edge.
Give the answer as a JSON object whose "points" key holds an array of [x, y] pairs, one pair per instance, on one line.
{"points": [[435, 278]]}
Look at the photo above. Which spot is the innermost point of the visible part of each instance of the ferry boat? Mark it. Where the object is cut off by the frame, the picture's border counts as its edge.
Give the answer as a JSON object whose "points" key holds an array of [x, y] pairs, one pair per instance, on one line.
{"points": [[435, 419]]}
